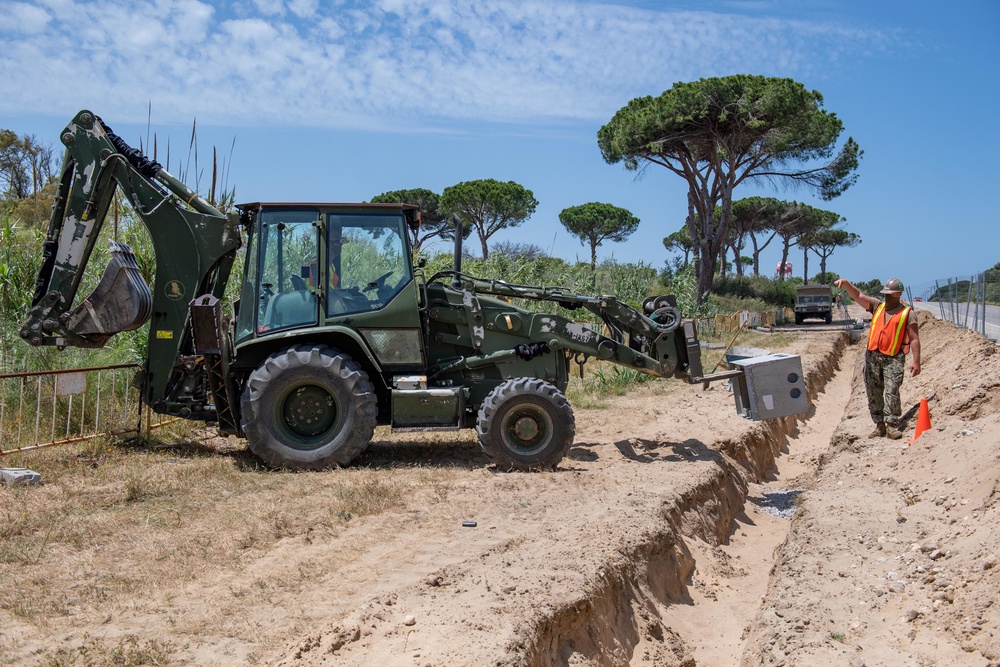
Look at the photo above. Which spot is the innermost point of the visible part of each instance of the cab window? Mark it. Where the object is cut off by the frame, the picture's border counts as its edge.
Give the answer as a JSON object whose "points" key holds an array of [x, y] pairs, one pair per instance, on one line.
{"points": [[368, 261], [289, 241]]}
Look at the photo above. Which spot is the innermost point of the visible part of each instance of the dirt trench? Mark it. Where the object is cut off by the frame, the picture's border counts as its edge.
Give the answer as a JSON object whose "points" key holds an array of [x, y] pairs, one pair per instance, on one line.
{"points": [[660, 549], [645, 614], [614, 580]]}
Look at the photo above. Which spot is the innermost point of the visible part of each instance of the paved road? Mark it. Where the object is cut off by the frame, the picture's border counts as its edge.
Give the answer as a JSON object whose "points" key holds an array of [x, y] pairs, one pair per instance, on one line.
{"points": [[992, 316]]}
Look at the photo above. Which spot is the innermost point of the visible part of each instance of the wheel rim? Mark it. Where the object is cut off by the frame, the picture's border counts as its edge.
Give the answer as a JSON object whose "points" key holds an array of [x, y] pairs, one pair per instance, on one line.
{"points": [[527, 430], [307, 414]]}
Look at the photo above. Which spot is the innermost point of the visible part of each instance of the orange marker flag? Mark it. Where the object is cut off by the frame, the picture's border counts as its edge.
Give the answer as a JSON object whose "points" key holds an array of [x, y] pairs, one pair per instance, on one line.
{"points": [[923, 420]]}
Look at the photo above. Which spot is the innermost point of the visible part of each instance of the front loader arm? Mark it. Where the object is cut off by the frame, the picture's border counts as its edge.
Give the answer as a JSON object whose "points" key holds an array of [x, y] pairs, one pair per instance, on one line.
{"points": [[194, 250], [660, 343]]}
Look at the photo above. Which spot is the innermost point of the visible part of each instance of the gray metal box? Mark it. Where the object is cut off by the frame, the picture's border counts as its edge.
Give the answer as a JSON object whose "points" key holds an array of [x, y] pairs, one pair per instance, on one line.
{"points": [[771, 386]]}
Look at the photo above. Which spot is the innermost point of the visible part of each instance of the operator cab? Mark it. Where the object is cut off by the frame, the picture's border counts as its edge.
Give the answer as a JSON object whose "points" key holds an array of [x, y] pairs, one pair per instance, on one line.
{"points": [[310, 263]]}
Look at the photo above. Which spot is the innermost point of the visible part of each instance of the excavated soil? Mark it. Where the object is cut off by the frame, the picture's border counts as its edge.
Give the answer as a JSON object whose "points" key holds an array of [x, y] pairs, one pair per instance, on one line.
{"points": [[675, 533], [654, 545]]}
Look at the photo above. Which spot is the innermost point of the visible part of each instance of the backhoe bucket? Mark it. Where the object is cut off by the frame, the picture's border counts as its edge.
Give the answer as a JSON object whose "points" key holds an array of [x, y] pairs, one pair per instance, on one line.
{"points": [[122, 300]]}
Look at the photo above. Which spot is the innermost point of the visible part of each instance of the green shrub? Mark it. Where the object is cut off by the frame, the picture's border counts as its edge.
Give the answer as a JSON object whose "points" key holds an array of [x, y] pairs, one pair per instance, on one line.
{"points": [[761, 292]]}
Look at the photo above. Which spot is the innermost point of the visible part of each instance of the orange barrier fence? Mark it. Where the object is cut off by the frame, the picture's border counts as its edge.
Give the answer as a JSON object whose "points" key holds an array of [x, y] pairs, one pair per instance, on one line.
{"points": [[47, 408]]}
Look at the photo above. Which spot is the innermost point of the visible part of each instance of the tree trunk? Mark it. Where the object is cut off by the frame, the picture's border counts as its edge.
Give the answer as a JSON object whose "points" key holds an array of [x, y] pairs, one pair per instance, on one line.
{"points": [[486, 250], [784, 260], [593, 256], [706, 274], [805, 267]]}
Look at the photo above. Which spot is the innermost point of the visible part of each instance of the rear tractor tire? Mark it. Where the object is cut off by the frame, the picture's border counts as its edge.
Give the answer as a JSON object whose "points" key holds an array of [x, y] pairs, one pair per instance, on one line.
{"points": [[526, 424], [309, 407]]}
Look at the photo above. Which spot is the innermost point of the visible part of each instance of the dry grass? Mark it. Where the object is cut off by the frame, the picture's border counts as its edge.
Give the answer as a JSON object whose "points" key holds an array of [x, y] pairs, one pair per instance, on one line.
{"points": [[113, 527], [190, 535], [96, 652]]}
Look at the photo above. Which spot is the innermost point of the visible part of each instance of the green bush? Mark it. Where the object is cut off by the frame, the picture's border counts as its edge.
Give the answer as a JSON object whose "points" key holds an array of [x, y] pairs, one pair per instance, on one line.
{"points": [[766, 293]]}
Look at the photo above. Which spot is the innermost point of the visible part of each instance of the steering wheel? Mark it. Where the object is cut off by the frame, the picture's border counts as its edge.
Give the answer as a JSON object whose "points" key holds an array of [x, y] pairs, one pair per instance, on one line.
{"points": [[378, 283]]}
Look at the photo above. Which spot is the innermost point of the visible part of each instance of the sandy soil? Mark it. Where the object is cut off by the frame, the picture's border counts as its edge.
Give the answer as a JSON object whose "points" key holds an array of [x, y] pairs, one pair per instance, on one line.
{"points": [[652, 544]]}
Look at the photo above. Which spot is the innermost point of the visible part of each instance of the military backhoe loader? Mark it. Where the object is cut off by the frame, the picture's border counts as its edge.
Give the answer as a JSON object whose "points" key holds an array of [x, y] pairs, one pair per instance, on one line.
{"points": [[335, 330]]}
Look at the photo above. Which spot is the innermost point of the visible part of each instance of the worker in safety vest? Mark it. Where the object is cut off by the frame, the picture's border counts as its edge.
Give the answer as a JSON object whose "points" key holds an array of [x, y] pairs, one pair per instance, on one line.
{"points": [[893, 333]]}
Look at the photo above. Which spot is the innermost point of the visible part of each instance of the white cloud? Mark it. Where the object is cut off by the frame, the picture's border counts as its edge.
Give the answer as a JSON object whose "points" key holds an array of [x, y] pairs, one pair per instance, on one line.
{"points": [[269, 7], [23, 18], [413, 61]]}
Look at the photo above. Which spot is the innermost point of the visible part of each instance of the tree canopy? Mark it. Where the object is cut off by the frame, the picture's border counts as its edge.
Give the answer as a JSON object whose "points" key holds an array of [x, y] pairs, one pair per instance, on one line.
{"points": [[26, 178], [433, 222], [756, 219], [680, 240], [719, 132], [597, 222], [487, 206], [825, 241], [794, 223]]}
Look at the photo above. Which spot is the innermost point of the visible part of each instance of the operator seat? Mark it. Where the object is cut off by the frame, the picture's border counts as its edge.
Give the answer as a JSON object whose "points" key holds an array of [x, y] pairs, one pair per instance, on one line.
{"points": [[291, 309]]}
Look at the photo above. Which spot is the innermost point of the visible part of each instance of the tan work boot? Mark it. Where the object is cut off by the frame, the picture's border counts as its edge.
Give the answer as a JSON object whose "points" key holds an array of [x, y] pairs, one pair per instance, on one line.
{"points": [[879, 431], [893, 433]]}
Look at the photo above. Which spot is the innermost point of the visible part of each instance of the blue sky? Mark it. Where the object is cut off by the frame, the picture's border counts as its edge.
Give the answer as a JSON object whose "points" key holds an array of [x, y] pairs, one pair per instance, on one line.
{"points": [[343, 100]]}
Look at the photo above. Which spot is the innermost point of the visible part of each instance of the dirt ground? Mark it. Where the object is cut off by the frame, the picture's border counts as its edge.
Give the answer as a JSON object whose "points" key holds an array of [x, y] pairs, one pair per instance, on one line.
{"points": [[658, 541]]}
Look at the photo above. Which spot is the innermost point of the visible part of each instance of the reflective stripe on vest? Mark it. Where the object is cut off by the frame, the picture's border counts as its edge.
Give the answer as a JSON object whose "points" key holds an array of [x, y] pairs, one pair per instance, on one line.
{"points": [[896, 324]]}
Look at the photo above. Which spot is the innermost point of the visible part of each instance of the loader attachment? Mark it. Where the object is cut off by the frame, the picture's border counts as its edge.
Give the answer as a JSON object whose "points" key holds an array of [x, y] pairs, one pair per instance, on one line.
{"points": [[122, 300]]}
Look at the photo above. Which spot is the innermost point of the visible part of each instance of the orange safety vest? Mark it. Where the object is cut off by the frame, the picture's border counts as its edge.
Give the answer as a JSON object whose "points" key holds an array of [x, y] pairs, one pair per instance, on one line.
{"points": [[888, 337]]}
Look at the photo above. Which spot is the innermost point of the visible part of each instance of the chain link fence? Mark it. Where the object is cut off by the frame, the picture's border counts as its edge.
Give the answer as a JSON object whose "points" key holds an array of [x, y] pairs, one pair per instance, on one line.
{"points": [[969, 302]]}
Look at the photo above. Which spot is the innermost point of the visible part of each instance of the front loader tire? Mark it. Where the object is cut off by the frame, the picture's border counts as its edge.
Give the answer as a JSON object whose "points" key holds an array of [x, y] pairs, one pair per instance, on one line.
{"points": [[525, 424], [308, 407]]}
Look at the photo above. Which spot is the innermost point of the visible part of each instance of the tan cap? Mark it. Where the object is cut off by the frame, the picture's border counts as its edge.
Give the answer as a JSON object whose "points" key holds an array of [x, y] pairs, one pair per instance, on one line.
{"points": [[892, 285]]}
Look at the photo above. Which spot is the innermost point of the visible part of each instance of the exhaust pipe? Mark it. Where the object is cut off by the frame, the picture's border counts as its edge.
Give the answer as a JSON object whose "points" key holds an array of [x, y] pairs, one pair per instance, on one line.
{"points": [[456, 282]]}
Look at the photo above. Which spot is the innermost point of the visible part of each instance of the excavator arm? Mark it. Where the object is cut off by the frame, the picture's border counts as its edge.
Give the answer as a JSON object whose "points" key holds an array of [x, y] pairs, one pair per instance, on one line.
{"points": [[194, 246]]}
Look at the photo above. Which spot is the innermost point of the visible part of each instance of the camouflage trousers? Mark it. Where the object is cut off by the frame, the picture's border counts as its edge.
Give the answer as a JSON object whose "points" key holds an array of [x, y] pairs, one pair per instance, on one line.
{"points": [[883, 378]]}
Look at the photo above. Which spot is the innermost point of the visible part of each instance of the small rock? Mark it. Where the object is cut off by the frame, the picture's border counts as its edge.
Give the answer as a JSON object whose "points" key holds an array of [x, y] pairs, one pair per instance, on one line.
{"points": [[936, 554], [911, 615], [409, 620], [433, 580]]}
